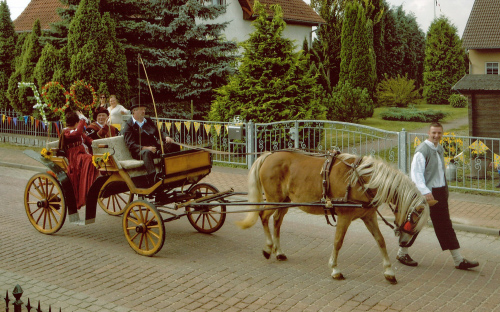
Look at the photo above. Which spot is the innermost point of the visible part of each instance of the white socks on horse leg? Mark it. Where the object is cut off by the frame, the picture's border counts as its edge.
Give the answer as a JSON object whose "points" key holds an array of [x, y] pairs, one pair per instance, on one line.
{"points": [[457, 257], [403, 251]]}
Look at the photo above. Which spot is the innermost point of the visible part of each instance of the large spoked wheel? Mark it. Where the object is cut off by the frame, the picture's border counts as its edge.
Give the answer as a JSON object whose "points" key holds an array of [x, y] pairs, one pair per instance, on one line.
{"points": [[44, 203], [143, 228], [210, 218], [111, 202]]}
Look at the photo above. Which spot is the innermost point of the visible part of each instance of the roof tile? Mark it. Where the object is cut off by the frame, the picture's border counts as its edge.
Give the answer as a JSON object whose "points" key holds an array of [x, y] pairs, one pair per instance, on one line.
{"points": [[44, 10], [483, 26], [478, 83]]}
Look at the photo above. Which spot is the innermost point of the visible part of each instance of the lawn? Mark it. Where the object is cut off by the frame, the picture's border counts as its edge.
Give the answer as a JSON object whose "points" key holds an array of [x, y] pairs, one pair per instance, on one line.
{"points": [[377, 122]]}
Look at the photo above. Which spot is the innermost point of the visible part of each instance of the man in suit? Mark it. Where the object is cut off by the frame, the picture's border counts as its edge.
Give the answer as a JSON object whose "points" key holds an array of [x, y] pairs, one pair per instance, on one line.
{"points": [[143, 139]]}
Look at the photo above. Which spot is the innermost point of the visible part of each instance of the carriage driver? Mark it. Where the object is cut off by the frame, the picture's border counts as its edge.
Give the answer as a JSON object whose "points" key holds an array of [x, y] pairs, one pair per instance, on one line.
{"points": [[142, 139]]}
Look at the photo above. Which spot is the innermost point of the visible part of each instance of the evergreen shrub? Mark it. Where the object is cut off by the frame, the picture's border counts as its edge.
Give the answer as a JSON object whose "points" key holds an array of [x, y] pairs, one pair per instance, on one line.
{"points": [[398, 92], [412, 114], [349, 104], [457, 100]]}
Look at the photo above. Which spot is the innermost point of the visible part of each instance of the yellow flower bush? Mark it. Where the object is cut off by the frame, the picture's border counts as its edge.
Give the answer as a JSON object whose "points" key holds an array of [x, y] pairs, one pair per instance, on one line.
{"points": [[452, 145]]}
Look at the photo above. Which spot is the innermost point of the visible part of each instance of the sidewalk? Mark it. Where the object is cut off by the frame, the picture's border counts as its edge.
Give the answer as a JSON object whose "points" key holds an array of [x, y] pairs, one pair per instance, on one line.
{"points": [[473, 213]]}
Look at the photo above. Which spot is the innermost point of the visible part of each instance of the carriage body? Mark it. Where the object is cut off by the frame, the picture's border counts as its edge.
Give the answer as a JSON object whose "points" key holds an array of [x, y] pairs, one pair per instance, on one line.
{"points": [[49, 196]]}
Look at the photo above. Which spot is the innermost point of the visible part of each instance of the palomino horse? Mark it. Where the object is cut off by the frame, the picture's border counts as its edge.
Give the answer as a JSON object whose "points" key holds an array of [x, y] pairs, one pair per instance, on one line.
{"points": [[296, 177]]}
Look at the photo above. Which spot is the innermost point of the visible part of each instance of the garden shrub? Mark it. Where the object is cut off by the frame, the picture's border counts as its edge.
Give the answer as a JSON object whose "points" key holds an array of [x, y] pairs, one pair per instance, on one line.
{"points": [[399, 92], [457, 100], [412, 114], [349, 104]]}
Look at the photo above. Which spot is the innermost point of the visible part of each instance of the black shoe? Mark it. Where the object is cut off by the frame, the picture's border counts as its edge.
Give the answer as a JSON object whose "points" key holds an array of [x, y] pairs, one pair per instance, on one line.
{"points": [[407, 260], [466, 264]]}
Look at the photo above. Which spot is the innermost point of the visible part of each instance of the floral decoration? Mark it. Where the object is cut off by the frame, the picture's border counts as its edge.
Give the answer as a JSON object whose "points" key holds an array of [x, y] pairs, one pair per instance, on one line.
{"points": [[99, 161], [46, 153], [40, 106], [55, 84], [79, 104]]}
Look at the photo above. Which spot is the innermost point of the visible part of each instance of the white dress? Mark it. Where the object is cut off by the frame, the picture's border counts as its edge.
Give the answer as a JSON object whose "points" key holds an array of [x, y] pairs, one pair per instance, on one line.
{"points": [[115, 114]]}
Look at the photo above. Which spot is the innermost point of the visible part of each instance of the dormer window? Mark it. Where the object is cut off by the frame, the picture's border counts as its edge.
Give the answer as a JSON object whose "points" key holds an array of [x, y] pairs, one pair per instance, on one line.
{"points": [[492, 68]]}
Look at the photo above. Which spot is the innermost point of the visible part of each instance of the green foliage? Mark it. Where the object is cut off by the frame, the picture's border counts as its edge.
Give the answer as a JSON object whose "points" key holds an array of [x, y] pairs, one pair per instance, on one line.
{"points": [[357, 65], [404, 46], [326, 46], [7, 52], [349, 104], [21, 99], [47, 65], [273, 82], [444, 61], [412, 114], [94, 53], [436, 90], [457, 100], [347, 40], [399, 92]]}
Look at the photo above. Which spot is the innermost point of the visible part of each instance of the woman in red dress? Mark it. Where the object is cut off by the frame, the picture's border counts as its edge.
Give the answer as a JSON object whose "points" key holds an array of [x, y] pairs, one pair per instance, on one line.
{"points": [[75, 143]]}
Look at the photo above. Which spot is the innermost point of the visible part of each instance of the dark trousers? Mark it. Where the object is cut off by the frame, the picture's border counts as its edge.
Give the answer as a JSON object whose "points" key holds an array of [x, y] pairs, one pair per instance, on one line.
{"points": [[440, 216], [148, 157]]}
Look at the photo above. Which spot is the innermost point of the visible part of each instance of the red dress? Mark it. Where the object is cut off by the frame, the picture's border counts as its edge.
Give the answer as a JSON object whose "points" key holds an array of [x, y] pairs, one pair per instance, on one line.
{"points": [[82, 173]]}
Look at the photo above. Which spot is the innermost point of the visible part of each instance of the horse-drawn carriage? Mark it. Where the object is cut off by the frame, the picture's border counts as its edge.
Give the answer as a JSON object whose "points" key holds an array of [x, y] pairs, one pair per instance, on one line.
{"points": [[332, 185], [49, 196]]}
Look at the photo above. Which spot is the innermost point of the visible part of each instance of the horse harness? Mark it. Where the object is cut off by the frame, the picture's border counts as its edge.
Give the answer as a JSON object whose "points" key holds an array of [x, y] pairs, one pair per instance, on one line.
{"points": [[330, 202]]}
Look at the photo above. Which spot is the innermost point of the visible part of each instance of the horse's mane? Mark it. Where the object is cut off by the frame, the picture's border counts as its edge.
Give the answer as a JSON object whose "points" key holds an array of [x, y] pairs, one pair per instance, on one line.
{"points": [[392, 185]]}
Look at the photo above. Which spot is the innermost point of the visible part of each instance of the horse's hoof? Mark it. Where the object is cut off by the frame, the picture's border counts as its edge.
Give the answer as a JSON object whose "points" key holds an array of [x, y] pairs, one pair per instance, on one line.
{"points": [[281, 258], [266, 254], [391, 279], [338, 276]]}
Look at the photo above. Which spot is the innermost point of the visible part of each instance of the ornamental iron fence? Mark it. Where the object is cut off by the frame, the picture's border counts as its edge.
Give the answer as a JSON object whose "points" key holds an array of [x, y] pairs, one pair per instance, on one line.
{"points": [[471, 162], [17, 305]]}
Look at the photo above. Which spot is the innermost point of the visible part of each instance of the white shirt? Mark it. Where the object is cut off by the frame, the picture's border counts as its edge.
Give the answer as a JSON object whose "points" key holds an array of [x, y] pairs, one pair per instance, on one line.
{"points": [[140, 124], [418, 169]]}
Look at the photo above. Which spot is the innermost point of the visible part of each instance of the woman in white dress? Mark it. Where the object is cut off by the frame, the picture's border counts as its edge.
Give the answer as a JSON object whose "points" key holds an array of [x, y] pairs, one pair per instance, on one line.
{"points": [[116, 111]]}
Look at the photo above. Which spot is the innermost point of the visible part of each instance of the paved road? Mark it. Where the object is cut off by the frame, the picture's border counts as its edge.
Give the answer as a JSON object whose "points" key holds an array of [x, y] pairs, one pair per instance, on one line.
{"points": [[92, 268]]}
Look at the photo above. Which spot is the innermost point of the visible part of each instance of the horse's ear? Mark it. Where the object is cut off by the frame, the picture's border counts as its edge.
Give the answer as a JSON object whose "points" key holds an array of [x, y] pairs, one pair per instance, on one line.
{"points": [[432, 202]]}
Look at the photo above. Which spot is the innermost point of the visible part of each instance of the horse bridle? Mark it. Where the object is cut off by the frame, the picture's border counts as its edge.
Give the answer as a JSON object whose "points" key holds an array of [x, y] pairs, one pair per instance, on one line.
{"points": [[412, 217]]}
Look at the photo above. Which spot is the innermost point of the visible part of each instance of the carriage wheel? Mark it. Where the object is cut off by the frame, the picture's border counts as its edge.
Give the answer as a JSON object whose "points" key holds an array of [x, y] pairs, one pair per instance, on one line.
{"points": [[143, 228], [213, 217], [114, 204], [44, 203]]}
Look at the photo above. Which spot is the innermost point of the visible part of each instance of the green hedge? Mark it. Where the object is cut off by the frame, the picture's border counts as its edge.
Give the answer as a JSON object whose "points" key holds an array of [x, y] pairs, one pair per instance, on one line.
{"points": [[457, 100], [412, 114]]}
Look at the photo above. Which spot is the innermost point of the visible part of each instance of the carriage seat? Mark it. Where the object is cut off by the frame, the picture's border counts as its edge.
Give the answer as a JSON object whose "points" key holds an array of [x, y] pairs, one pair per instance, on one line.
{"points": [[121, 154], [60, 159]]}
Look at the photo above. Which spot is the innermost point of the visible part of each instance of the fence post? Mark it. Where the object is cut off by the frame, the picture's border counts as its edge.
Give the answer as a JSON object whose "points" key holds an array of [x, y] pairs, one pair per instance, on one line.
{"points": [[296, 135], [17, 293], [250, 140], [403, 150]]}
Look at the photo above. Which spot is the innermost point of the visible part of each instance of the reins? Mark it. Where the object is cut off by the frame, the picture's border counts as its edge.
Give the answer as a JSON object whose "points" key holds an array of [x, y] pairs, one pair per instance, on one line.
{"points": [[329, 203]]}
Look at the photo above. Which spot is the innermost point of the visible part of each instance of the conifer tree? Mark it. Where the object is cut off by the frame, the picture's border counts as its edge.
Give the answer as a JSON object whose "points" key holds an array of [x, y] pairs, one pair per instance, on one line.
{"points": [[347, 40], [185, 55], [7, 51], [444, 61], [94, 53], [21, 98], [360, 67], [272, 83]]}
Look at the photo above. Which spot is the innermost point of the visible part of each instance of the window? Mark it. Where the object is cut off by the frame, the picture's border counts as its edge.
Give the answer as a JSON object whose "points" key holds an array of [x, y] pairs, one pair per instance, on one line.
{"points": [[219, 2], [491, 68]]}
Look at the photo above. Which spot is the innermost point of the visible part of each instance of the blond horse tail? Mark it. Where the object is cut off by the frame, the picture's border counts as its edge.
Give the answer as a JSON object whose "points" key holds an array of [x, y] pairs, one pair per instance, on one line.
{"points": [[254, 192]]}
